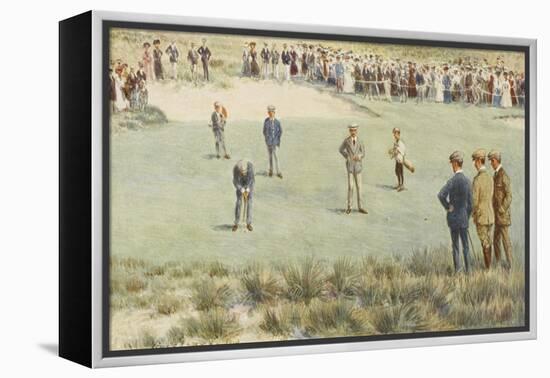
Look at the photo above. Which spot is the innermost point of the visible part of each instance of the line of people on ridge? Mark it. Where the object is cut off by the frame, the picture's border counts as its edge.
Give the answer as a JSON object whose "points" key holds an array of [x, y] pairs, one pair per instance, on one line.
{"points": [[376, 77]]}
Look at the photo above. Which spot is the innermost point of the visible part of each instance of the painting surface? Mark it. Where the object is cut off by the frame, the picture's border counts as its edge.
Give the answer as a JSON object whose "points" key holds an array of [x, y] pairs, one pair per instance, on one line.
{"points": [[235, 169]]}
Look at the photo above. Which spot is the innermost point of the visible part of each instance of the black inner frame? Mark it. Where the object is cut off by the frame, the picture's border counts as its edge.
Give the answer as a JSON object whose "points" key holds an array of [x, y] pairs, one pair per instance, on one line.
{"points": [[105, 329]]}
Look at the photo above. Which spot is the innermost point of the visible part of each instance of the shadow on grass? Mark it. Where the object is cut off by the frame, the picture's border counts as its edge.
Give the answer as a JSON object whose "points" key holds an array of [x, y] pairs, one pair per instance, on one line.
{"points": [[262, 173], [385, 187], [340, 211], [209, 156], [222, 227]]}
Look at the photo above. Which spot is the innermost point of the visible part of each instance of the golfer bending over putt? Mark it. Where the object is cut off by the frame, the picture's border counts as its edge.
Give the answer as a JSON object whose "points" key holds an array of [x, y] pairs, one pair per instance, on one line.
{"points": [[243, 180]]}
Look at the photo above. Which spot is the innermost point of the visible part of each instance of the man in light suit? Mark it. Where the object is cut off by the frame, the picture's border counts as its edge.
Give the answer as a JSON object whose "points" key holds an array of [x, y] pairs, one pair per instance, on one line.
{"points": [[353, 151], [456, 198], [272, 134], [243, 180], [483, 214]]}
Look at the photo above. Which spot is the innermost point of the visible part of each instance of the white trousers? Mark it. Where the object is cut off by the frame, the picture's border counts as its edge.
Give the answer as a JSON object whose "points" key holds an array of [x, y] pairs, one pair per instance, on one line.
{"points": [[354, 180], [273, 158]]}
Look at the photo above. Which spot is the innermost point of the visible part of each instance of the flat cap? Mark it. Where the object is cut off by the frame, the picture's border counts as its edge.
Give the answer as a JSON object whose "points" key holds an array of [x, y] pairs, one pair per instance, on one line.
{"points": [[353, 126], [494, 154], [456, 156], [270, 108], [480, 153]]}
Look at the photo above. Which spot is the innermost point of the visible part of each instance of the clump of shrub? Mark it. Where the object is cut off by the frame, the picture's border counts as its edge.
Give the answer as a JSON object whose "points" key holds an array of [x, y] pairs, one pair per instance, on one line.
{"points": [[260, 285], [214, 325], [135, 284], [285, 320], [168, 304], [305, 281], [334, 318], [217, 269], [206, 295], [343, 278], [175, 336]]}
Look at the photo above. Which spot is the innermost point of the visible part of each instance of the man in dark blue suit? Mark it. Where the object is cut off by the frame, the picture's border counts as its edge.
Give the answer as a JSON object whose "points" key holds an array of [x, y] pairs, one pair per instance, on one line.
{"points": [[272, 135], [456, 198]]}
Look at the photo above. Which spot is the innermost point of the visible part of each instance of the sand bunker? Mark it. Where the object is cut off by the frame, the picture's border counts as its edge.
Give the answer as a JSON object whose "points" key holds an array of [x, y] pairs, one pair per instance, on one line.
{"points": [[247, 100]]}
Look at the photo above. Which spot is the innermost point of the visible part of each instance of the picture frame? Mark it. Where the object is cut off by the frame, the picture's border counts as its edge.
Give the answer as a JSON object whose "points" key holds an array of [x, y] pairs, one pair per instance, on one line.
{"points": [[86, 215]]}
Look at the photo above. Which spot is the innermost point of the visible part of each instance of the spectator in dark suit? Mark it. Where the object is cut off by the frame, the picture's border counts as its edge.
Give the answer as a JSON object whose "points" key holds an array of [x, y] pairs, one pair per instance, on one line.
{"points": [[205, 55], [456, 198], [157, 60], [174, 54]]}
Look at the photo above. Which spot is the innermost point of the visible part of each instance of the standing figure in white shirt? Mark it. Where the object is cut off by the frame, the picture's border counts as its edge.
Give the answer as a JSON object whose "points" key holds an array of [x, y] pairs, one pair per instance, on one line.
{"points": [[398, 154]]}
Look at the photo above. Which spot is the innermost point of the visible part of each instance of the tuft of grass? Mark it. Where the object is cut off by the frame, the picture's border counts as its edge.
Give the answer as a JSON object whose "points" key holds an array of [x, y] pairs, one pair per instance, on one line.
{"points": [[343, 278], [260, 285], [370, 292], [282, 321], [404, 318], [135, 284], [334, 318], [146, 340], [217, 269], [304, 281], [155, 270], [175, 336], [214, 325], [168, 304], [428, 261], [206, 295]]}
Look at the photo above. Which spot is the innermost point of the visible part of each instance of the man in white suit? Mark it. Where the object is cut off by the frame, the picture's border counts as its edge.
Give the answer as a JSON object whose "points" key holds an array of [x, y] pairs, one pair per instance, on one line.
{"points": [[353, 151]]}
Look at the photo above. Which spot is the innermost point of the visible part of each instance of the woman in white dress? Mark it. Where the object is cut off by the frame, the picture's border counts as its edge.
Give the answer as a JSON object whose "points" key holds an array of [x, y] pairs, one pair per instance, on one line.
{"points": [[121, 102], [348, 77], [438, 83], [506, 101]]}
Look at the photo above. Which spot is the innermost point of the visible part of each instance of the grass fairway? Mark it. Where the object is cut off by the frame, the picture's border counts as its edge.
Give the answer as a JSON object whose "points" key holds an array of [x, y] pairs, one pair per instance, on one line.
{"points": [[171, 200]]}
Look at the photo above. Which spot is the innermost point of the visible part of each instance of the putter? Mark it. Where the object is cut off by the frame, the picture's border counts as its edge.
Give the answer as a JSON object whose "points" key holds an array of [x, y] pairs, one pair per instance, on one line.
{"points": [[244, 210], [473, 248]]}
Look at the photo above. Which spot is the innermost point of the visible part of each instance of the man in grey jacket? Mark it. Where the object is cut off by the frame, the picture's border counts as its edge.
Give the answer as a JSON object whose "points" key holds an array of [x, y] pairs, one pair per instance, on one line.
{"points": [[243, 180], [353, 151], [218, 120]]}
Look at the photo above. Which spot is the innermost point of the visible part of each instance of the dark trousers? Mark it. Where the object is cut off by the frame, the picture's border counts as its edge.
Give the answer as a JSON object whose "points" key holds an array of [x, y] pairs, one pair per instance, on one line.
{"points": [[460, 235], [399, 173], [205, 70]]}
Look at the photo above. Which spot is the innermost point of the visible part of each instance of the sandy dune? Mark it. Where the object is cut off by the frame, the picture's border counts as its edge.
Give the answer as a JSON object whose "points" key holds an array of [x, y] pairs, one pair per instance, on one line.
{"points": [[247, 100]]}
